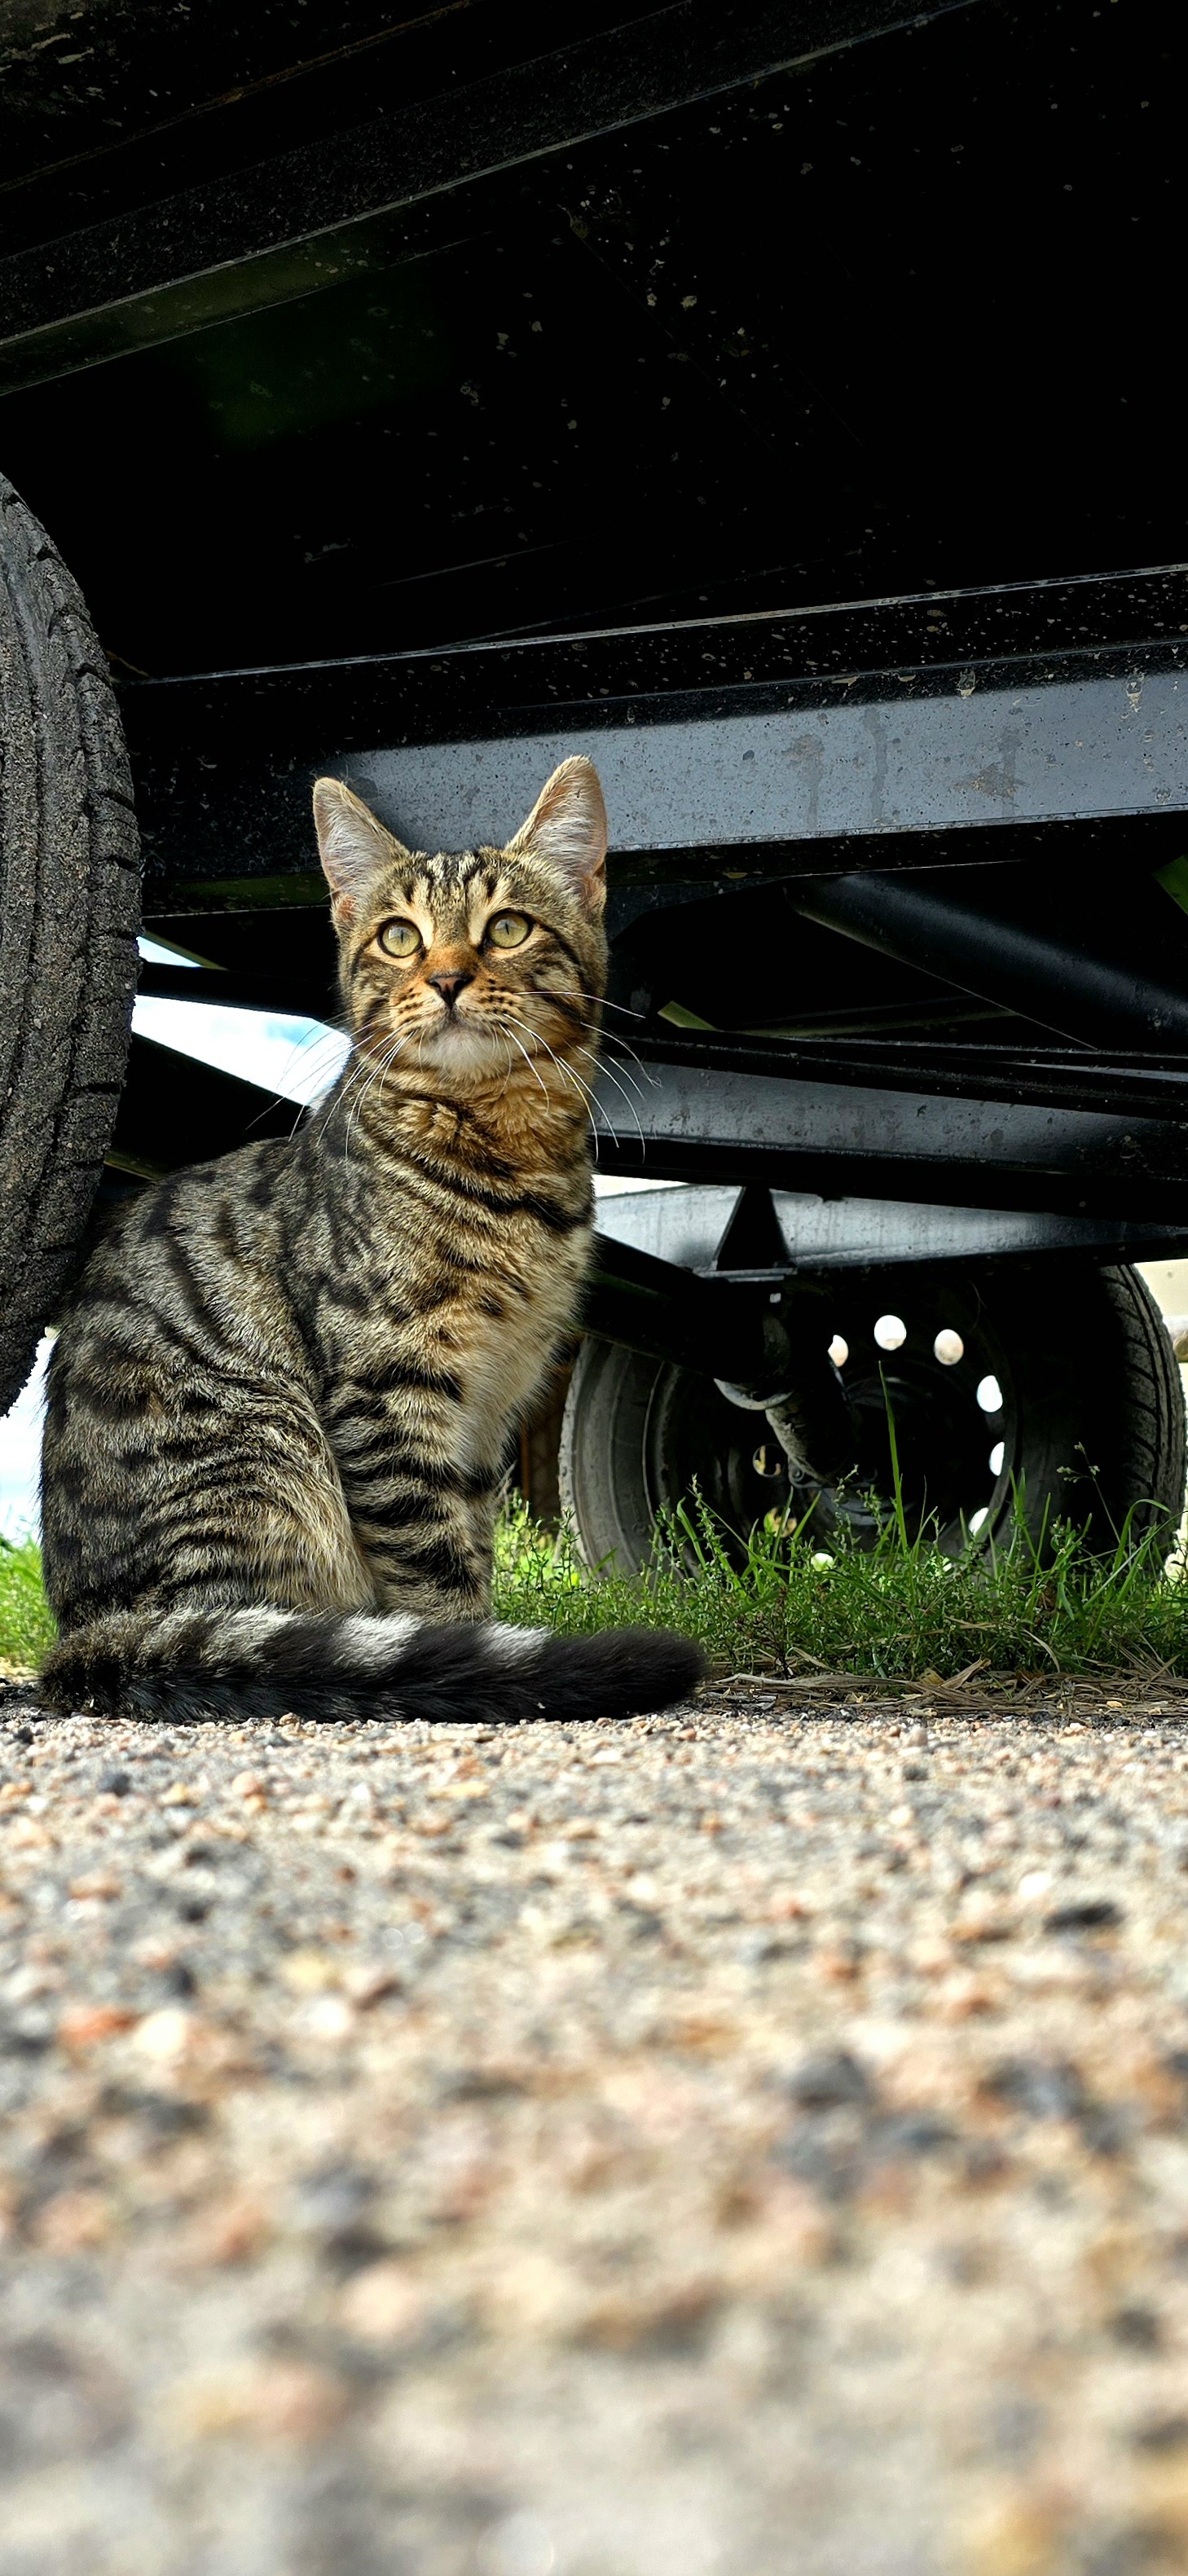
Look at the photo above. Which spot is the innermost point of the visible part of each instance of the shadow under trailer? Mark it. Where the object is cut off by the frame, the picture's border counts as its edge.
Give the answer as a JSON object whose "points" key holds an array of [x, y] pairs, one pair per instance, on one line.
{"points": [[779, 403]]}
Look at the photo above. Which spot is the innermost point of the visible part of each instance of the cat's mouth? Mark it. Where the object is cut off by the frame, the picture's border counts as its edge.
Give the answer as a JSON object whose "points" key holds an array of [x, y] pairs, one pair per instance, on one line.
{"points": [[462, 1044]]}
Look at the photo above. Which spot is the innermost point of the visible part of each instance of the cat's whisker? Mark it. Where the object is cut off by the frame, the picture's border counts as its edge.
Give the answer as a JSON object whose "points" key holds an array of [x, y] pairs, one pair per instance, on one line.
{"points": [[324, 1038], [527, 1058], [571, 1077], [360, 1078], [611, 1076], [305, 1051], [581, 1088], [584, 1087], [608, 1070], [637, 1087], [503, 1035], [576, 993], [379, 1074], [365, 1060], [562, 1067], [614, 1037], [604, 1005], [386, 1071]]}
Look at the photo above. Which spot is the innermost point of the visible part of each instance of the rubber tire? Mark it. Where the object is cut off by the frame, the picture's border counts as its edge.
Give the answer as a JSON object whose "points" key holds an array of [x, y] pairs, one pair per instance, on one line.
{"points": [[1152, 1433], [69, 914], [1093, 1416]]}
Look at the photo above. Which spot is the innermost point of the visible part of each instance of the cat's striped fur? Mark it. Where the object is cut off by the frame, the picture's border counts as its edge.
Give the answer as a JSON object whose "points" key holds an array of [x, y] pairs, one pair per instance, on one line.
{"points": [[281, 1396]]}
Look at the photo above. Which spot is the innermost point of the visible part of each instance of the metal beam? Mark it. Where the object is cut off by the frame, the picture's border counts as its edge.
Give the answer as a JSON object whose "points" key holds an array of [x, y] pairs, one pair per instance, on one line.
{"points": [[790, 742], [918, 921], [175, 1110], [815, 1234], [1071, 1179], [1029, 752], [301, 220], [696, 1120], [782, 791], [724, 1328]]}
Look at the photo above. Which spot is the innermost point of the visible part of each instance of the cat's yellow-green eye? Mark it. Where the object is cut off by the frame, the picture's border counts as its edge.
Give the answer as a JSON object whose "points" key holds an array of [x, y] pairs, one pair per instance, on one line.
{"points": [[508, 929], [400, 938]]}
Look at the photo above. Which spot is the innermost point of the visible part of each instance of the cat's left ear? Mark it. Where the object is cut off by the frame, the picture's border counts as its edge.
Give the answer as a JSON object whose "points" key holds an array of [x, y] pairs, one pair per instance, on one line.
{"points": [[354, 846], [567, 828]]}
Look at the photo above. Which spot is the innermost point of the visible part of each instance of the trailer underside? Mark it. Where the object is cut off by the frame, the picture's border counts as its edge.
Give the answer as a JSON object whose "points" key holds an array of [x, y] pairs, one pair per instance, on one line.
{"points": [[778, 403]]}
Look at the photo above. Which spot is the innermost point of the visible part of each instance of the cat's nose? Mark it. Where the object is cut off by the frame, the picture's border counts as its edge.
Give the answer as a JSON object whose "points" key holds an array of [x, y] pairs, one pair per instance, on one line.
{"points": [[449, 987]]}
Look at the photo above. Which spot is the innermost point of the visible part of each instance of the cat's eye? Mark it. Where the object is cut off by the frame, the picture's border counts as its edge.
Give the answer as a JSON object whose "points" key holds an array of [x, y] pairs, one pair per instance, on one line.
{"points": [[400, 938], [508, 929]]}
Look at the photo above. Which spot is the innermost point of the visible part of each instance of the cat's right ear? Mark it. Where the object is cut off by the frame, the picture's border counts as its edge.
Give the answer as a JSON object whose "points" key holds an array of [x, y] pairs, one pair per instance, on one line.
{"points": [[354, 847]]}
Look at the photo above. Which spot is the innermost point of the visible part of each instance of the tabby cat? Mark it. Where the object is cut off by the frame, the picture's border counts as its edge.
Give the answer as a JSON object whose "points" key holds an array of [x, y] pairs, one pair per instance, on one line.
{"points": [[281, 1396]]}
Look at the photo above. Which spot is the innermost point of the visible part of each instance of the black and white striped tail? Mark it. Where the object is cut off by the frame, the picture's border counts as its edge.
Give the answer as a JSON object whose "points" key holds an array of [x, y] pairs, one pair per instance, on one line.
{"points": [[261, 1663]]}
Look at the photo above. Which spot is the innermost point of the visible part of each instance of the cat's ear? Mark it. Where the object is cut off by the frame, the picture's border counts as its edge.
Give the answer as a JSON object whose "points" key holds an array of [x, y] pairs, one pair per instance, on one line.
{"points": [[354, 847], [567, 829]]}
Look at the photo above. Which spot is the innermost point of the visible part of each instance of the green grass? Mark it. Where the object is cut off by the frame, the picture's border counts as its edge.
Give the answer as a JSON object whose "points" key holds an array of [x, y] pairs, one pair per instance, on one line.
{"points": [[780, 1605], [901, 1611], [26, 1627]]}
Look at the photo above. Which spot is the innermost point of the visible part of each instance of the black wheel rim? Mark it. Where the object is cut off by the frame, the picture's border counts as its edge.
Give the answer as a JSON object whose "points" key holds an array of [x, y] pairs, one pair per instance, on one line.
{"points": [[956, 1448]]}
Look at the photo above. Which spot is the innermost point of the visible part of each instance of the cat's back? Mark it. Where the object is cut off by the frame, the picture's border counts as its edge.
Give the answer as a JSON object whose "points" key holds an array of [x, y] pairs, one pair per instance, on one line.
{"points": [[201, 1248]]}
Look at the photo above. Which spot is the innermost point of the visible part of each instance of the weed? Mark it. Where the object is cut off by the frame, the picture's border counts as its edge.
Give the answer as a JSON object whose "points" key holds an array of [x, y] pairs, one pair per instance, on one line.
{"points": [[902, 1608], [776, 1602], [26, 1626]]}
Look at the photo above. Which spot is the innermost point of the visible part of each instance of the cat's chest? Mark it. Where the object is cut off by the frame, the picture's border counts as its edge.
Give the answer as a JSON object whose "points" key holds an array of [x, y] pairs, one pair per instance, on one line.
{"points": [[498, 1364], [504, 1321], [510, 1316], [489, 1322]]}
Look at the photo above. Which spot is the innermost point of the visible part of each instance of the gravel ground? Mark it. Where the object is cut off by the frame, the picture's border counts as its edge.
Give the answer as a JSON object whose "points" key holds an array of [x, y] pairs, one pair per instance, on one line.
{"points": [[749, 2141]]}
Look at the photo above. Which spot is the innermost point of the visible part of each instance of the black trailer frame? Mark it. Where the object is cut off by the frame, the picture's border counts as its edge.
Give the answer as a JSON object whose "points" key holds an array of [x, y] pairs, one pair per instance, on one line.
{"points": [[958, 762]]}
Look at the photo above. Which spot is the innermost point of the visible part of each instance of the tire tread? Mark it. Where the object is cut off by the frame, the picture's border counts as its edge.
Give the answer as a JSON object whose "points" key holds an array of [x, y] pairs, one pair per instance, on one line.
{"points": [[69, 868]]}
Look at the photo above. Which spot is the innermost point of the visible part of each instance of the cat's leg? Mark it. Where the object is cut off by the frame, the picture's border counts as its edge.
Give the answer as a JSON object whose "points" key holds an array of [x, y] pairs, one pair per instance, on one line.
{"points": [[421, 1517], [155, 1491], [426, 1549]]}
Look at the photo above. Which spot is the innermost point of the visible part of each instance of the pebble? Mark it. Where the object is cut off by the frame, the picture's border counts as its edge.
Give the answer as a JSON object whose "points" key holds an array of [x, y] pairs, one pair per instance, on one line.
{"points": [[597, 2150]]}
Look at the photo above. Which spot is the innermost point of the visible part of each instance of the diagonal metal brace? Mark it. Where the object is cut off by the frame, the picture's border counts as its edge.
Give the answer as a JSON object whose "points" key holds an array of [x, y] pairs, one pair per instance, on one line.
{"points": [[764, 1347]]}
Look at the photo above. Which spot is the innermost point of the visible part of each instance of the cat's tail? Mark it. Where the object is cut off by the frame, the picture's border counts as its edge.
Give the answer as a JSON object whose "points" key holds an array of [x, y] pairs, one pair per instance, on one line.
{"points": [[262, 1663]]}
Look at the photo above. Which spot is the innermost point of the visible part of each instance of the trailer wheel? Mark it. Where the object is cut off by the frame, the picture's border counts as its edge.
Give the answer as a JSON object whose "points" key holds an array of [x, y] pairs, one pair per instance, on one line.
{"points": [[69, 912], [1058, 1385]]}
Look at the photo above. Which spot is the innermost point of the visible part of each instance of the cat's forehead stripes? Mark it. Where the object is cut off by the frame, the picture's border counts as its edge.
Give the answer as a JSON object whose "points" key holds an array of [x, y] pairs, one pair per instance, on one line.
{"points": [[452, 895], [485, 895]]}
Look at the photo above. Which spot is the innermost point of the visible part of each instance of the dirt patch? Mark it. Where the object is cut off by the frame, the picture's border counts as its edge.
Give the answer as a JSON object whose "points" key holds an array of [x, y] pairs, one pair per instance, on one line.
{"points": [[747, 2141]]}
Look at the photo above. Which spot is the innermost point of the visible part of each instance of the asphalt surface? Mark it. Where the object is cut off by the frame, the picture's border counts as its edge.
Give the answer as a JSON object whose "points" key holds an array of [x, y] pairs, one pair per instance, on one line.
{"points": [[751, 2141]]}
